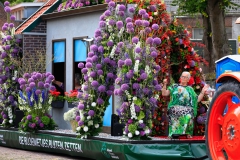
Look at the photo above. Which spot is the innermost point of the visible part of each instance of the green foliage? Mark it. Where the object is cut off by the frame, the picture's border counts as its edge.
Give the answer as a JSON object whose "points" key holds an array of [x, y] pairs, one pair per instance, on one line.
{"points": [[192, 7], [33, 123]]}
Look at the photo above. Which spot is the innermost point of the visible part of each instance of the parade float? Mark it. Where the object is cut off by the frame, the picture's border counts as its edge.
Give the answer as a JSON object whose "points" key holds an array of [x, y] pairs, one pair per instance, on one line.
{"points": [[135, 47]]}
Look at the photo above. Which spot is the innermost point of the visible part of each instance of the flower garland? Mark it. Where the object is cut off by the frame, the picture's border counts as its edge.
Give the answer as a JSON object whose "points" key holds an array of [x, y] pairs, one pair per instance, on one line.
{"points": [[9, 53]]}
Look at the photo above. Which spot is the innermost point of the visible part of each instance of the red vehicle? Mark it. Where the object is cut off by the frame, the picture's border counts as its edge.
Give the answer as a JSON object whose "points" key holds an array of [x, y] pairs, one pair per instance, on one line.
{"points": [[223, 127]]}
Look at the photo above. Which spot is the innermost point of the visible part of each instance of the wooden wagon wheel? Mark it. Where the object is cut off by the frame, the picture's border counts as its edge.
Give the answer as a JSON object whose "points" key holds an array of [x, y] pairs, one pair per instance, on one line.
{"points": [[223, 128]]}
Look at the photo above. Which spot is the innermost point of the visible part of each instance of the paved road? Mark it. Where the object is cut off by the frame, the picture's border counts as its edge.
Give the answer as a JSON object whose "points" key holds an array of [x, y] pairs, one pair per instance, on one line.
{"points": [[17, 154]]}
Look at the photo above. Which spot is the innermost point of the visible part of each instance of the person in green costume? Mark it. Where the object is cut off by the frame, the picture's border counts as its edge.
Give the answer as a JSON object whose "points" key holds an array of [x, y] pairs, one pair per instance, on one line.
{"points": [[182, 107]]}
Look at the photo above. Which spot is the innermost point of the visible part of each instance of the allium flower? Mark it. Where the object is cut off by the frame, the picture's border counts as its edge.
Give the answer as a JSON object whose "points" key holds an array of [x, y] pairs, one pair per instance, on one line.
{"points": [[157, 68], [77, 118], [154, 54], [98, 66], [136, 86], [157, 41], [38, 91], [100, 101], [6, 3], [112, 4], [135, 40], [129, 25], [143, 76], [138, 22], [157, 87], [80, 123], [100, 72], [119, 24], [107, 13], [149, 40], [128, 62], [155, 27], [131, 10], [12, 18], [89, 65], [81, 106], [80, 65], [94, 48], [102, 24], [102, 88], [120, 63], [129, 20], [7, 9], [142, 11], [91, 113], [4, 28], [145, 16], [110, 43], [94, 83], [29, 117], [124, 87], [112, 22], [122, 7]]}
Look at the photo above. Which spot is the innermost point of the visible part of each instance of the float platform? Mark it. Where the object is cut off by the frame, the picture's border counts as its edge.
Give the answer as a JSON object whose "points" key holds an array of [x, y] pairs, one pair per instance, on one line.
{"points": [[105, 146]]}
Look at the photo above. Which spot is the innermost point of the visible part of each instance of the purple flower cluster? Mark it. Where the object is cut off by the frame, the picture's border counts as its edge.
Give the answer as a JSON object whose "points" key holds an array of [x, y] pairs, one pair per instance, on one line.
{"points": [[70, 4], [35, 88], [8, 54], [128, 61]]}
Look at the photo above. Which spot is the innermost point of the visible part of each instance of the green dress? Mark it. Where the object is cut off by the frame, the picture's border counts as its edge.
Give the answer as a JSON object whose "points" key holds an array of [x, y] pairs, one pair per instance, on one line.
{"points": [[182, 109]]}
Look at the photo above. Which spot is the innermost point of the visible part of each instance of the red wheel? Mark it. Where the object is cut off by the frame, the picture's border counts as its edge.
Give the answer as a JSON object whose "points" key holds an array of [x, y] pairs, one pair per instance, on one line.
{"points": [[223, 130]]}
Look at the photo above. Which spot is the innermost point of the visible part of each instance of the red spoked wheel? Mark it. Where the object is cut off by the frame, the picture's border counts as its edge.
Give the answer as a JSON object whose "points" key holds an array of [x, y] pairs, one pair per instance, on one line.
{"points": [[223, 129]]}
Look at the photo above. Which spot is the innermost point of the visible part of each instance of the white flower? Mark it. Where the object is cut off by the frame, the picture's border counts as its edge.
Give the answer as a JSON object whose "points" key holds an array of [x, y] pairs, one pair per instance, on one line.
{"points": [[94, 104], [90, 123], [10, 121], [96, 125], [147, 131], [140, 121], [130, 135], [137, 132], [136, 66], [134, 98], [124, 132], [85, 129], [113, 51], [83, 87], [88, 117], [78, 128]]}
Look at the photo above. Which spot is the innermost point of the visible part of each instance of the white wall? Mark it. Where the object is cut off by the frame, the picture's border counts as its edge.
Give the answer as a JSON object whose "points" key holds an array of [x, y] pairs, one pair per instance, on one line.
{"points": [[68, 28]]}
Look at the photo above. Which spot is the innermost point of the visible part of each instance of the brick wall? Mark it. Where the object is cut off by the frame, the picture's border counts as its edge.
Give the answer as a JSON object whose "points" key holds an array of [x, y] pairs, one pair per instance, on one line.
{"points": [[41, 28], [34, 49], [3, 15]]}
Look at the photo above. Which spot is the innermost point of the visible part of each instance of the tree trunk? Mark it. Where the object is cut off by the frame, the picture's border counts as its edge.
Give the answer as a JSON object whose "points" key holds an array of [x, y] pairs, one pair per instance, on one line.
{"points": [[208, 50], [219, 36]]}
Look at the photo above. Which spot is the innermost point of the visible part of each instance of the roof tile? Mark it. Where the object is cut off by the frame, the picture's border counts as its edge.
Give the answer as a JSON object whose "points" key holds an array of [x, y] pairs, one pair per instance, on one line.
{"points": [[34, 16]]}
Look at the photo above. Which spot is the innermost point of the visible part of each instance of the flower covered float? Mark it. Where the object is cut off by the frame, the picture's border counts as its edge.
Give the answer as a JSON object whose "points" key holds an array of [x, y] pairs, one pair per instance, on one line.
{"points": [[123, 53]]}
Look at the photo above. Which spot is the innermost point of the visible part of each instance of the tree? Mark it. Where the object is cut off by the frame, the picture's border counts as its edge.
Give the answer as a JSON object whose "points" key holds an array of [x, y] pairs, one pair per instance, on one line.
{"points": [[213, 15]]}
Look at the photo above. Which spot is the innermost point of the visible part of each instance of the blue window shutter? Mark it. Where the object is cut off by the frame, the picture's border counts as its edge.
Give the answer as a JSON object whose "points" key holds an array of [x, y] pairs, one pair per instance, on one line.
{"points": [[59, 51], [108, 114], [80, 50]]}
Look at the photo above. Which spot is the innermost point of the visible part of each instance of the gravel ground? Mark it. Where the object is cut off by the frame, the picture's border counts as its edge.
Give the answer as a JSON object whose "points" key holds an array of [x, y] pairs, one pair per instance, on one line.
{"points": [[17, 154]]}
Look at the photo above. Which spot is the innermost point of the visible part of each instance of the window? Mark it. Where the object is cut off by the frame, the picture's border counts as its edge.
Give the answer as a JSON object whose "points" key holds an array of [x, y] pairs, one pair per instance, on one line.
{"points": [[58, 66], [79, 55], [197, 33]]}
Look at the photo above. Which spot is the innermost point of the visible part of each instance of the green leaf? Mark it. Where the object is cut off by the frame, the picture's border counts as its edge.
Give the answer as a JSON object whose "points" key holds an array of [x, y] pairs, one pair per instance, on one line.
{"points": [[138, 102]]}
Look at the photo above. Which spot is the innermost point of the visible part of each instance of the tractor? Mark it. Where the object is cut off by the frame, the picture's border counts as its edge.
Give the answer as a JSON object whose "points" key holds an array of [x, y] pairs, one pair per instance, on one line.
{"points": [[223, 119]]}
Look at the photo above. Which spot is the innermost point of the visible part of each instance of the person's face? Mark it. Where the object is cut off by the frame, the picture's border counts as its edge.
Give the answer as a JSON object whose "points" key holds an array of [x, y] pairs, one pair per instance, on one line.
{"points": [[185, 78]]}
